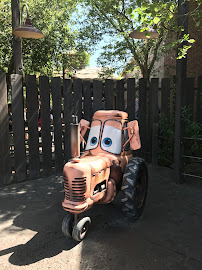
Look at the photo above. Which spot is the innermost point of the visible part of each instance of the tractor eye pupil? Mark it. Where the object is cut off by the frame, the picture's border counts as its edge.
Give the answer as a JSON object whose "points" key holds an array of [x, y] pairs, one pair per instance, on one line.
{"points": [[93, 141], [107, 142]]}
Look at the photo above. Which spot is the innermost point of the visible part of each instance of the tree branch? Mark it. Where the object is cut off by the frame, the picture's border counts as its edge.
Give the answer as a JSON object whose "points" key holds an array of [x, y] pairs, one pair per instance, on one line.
{"points": [[161, 37]]}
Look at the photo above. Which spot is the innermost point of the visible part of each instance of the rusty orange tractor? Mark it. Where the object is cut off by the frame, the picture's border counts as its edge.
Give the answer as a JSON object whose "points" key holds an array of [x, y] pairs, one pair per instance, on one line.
{"points": [[106, 166]]}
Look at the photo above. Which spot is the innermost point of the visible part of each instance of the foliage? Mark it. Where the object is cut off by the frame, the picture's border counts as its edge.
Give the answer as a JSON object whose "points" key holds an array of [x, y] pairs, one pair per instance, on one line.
{"points": [[166, 142], [5, 35], [191, 130], [43, 56], [115, 19], [166, 138]]}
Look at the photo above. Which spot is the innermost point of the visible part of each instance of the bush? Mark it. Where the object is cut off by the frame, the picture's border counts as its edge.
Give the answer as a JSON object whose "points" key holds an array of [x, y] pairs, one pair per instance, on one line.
{"points": [[167, 133]]}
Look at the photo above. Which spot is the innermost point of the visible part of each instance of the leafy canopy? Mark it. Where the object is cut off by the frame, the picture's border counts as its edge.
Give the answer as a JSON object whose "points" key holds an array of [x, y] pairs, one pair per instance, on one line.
{"points": [[115, 19], [46, 55]]}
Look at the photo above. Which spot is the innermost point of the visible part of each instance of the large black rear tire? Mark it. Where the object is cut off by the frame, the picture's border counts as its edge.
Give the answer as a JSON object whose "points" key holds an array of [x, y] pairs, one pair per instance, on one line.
{"points": [[134, 188]]}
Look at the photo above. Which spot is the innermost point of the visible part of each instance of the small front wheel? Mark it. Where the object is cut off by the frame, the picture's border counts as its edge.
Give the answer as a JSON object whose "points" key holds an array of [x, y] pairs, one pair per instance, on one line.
{"points": [[67, 224], [80, 228]]}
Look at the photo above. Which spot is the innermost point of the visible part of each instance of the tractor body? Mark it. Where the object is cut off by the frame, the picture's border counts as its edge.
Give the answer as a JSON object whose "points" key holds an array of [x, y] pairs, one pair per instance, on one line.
{"points": [[96, 176]]}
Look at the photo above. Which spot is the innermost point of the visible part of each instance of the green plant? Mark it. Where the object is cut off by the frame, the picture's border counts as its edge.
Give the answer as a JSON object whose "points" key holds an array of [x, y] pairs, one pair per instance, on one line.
{"points": [[166, 142], [191, 131]]}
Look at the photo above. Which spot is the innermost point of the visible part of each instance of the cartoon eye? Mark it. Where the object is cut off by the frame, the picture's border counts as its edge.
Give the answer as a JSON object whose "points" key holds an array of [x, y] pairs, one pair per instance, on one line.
{"points": [[93, 141], [107, 142]]}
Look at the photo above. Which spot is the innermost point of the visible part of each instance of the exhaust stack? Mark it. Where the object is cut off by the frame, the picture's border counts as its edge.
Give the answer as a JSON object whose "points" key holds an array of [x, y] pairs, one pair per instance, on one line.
{"points": [[75, 137]]}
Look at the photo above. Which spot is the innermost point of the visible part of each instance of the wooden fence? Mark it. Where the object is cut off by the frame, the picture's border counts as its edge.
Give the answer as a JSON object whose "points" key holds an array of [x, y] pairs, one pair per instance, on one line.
{"points": [[33, 153]]}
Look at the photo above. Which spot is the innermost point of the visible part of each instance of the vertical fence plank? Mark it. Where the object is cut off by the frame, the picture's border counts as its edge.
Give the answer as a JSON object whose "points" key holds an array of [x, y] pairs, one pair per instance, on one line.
{"points": [[109, 94], [57, 122], [67, 86], [165, 97], [32, 119], [5, 160], [87, 106], [142, 116], [120, 95], [18, 126], [188, 96], [199, 101], [44, 89], [97, 95], [154, 113], [131, 96], [77, 89]]}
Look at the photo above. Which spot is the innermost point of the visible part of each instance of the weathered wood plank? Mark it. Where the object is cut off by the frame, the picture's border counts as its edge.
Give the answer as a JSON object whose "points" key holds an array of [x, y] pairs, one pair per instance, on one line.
{"points": [[109, 94], [154, 114], [18, 127], [97, 95], [165, 97], [32, 120], [120, 95], [131, 96], [199, 101], [57, 122], [77, 89], [5, 160], [87, 106], [142, 116], [67, 86], [44, 89]]}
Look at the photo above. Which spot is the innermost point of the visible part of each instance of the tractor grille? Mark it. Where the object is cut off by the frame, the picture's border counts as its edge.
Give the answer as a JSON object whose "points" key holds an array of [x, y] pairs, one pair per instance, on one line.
{"points": [[76, 191]]}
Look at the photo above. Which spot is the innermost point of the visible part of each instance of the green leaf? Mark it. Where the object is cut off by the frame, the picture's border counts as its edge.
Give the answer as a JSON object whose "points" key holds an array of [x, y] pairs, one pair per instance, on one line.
{"points": [[156, 20], [147, 34], [191, 40], [129, 11]]}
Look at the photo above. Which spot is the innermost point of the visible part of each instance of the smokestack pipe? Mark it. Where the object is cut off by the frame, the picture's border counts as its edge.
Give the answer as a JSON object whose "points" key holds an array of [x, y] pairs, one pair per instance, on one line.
{"points": [[75, 137]]}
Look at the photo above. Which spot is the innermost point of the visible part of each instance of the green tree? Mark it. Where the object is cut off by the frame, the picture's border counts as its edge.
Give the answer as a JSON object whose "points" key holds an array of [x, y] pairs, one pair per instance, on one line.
{"points": [[46, 55], [115, 19]]}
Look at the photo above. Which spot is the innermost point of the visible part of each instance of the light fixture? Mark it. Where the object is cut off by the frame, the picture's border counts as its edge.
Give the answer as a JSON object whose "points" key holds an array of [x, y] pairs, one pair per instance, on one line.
{"points": [[147, 34], [27, 30]]}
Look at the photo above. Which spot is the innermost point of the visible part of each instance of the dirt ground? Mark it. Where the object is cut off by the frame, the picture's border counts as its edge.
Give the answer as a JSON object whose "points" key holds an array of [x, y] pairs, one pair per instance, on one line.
{"points": [[168, 236]]}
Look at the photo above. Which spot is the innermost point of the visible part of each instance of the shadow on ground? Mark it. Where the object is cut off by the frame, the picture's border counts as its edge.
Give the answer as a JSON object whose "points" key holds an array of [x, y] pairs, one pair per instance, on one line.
{"points": [[35, 206], [168, 236]]}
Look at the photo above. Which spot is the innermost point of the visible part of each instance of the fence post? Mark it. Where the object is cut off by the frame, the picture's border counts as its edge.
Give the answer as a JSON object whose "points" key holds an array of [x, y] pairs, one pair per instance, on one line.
{"points": [[181, 69], [5, 160], [131, 96], [154, 113], [142, 116], [67, 85], [44, 89], [199, 101], [32, 119], [18, 127], [57, 122]]}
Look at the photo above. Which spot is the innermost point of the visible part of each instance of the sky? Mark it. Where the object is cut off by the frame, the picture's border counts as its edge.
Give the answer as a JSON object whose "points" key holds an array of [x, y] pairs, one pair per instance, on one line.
{"points": [[93, 59]]}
